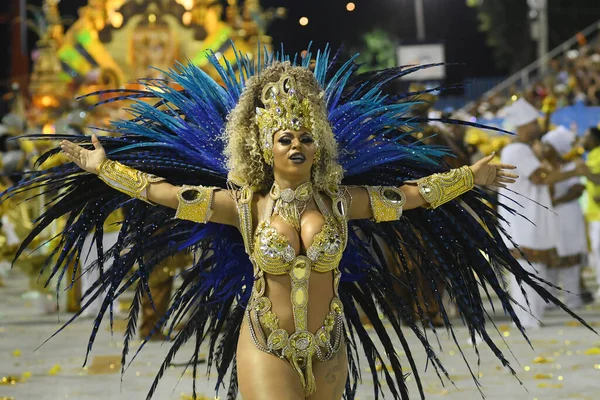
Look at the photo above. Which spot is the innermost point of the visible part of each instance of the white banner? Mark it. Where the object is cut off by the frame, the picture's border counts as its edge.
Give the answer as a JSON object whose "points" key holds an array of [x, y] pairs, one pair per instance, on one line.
{"points": [[420, 54]]}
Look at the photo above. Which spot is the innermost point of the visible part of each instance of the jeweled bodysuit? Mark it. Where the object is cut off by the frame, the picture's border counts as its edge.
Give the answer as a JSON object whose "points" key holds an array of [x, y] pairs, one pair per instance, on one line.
{"points": [[271, 253]]}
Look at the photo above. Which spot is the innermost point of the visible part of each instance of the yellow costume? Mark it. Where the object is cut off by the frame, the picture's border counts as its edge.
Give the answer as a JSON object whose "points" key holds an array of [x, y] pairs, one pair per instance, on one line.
{"points": [[271, 253]]}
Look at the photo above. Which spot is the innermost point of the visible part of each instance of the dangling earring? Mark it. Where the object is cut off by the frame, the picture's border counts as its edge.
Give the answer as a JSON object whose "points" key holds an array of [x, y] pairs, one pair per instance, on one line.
{"points": [[317, 153], [268, 157]]}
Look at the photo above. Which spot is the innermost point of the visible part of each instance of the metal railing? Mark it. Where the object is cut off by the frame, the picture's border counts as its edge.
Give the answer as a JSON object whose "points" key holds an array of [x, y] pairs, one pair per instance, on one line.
{"points": [[524, 75]]}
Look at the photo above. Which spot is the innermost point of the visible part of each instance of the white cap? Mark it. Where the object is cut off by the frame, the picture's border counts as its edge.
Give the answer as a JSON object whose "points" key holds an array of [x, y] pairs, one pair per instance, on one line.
{"points": [[561, 139], [520, 113]]}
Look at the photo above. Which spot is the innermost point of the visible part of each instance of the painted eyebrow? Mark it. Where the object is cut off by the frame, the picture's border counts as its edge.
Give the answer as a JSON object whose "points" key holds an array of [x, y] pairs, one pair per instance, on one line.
{"points": [[288, 134]]}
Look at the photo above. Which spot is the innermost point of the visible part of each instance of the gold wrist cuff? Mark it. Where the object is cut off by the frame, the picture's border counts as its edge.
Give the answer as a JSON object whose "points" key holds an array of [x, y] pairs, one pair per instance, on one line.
{"points": [[195, 203], [438, 189], [386, 202], [126, 179]]}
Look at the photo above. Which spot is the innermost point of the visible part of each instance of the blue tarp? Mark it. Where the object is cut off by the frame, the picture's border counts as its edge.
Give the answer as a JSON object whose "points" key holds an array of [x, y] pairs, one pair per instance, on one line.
{"points": [[580, 115]]}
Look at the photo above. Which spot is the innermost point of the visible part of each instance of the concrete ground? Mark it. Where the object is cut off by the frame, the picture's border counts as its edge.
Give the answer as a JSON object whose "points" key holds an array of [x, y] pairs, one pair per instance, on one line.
{"points": [[564, 364]]}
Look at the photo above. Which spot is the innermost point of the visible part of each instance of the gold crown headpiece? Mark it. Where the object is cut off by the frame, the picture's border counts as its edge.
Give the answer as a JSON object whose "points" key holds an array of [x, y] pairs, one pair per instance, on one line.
{"points": [[283, 110]]}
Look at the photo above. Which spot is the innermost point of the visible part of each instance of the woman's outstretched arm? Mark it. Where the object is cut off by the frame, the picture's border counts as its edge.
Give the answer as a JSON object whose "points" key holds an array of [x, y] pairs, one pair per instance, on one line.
{"points": [[196, 203], [430, 191]]}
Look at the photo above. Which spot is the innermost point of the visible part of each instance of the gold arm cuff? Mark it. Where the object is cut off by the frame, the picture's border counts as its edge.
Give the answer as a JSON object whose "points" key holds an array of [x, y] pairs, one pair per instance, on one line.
{"points": [[126, 179], [438, 189], [195, 203], [386, 202]]}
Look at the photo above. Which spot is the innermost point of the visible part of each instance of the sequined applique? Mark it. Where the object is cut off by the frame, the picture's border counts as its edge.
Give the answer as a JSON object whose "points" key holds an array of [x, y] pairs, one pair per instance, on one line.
{"points": [[273, 244], [386, 203], [438, 189], [195, 203], [126, 179]]}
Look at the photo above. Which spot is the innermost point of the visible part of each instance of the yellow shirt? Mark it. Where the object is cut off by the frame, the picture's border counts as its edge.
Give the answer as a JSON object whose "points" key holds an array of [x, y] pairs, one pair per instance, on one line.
{"points": [[593, 190]]}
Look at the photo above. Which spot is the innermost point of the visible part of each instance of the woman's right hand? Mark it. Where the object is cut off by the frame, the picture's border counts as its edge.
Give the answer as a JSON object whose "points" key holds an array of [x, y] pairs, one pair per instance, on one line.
{"points": [[88, 160]]}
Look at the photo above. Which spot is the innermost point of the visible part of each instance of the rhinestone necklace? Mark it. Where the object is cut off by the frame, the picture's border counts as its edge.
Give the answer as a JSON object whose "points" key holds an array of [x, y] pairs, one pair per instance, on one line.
{"points": [[290, 203]]}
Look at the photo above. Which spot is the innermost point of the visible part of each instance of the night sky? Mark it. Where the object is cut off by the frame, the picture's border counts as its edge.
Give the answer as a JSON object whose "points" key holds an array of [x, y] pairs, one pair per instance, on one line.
{"points": [[448, 21]]}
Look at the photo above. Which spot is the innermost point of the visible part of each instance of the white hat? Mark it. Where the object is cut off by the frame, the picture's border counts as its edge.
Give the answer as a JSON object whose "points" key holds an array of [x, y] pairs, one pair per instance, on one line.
{"points": [[520, 113], [561, 139]]}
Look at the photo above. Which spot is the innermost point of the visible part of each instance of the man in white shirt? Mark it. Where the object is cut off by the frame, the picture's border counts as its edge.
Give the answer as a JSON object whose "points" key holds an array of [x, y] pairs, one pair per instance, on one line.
{"points": [[571, 232], [530, 230]]}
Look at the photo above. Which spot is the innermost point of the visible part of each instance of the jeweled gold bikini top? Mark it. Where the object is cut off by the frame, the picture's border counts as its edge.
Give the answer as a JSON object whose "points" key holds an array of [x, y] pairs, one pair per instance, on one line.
{"points": [[275, 255]]}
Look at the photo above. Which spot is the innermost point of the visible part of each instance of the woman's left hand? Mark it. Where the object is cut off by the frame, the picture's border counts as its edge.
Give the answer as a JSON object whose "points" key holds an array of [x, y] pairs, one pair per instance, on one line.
{"points": [[486, 174]]}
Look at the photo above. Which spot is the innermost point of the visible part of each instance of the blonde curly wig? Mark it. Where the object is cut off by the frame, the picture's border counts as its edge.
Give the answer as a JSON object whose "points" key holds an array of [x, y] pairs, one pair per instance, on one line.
{"points": [[243, 151]]}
